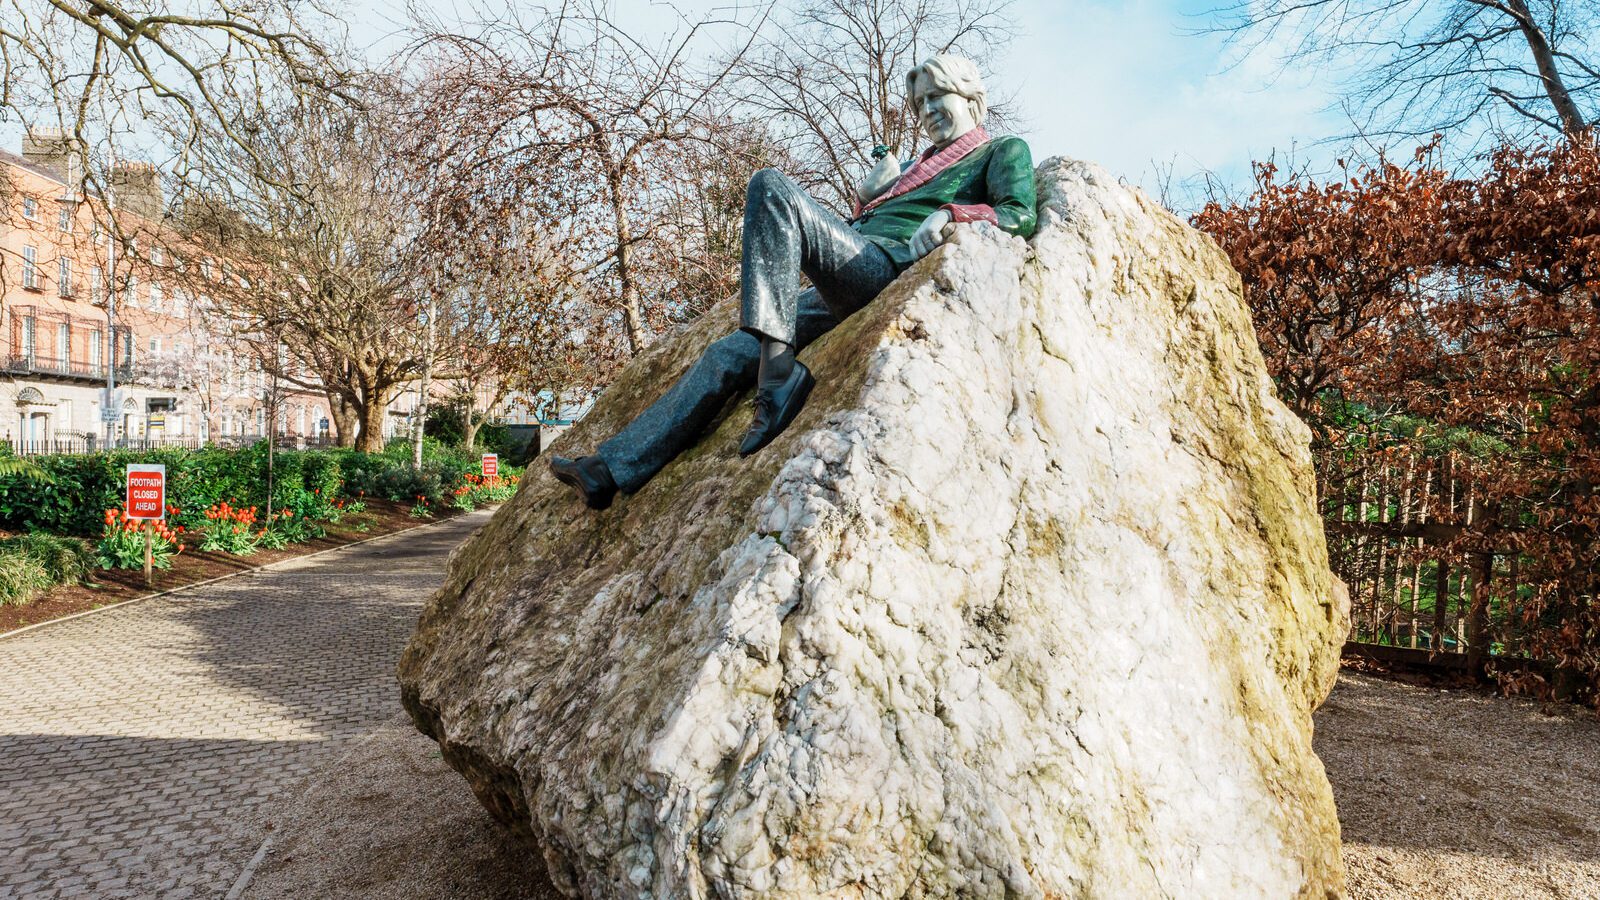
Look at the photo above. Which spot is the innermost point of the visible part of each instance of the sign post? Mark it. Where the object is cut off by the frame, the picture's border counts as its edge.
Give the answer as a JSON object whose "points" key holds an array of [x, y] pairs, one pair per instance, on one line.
{"points": [[491, 465], [147, 502]]}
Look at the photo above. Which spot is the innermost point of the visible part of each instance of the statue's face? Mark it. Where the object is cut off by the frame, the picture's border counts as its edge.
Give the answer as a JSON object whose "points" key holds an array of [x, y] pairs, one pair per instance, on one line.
{"points": [[944, 116]]}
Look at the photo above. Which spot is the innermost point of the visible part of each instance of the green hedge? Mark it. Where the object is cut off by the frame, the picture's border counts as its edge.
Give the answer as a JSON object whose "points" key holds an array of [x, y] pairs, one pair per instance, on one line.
{"points": [[82, 487]]}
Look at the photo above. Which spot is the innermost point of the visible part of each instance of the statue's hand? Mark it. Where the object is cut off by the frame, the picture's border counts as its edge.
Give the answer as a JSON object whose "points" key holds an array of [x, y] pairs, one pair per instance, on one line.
{"points": [[930, 233], [881, 177]]}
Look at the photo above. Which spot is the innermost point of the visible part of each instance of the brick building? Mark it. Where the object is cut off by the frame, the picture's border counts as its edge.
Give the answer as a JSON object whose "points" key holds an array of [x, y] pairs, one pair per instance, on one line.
{"points": [[177, 379]]}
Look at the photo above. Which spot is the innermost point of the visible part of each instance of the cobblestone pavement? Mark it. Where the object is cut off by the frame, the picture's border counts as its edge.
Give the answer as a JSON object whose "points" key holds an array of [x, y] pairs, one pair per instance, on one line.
{"points": [[139, 744]]}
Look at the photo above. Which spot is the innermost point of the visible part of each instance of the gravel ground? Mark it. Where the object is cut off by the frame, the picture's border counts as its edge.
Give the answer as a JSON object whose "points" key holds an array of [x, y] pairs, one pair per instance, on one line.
{"points": [[1442, 794], [1461, 795], [391, 820]]}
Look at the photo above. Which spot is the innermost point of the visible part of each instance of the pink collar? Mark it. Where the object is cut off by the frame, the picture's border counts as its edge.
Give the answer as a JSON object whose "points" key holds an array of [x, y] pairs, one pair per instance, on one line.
{"points": [[932, 163]]}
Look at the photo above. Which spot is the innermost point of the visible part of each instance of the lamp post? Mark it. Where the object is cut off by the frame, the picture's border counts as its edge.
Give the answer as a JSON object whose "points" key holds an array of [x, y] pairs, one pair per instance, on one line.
{"points": [[108, 412]]}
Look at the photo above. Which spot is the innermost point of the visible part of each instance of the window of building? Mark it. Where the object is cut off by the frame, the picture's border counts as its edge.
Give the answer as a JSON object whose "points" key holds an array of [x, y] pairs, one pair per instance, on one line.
{"points": [[64, 342], [27, 337], [205, 268], [30, 267], [127, 349], [155, 345], [131, 294], [95, 276], [155, 298], [64, 222], [158, 257], [96, 348], [30, 208], [64, 277]]}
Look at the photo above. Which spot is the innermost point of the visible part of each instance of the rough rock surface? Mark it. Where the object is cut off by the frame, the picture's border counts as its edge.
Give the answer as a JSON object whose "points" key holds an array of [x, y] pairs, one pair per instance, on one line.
{"points": [[1032, 601]]}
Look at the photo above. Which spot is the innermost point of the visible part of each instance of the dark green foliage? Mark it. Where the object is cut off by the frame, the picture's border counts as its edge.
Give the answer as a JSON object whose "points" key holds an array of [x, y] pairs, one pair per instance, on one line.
{"points": [[309, 482], [445, 424], [33, 563], [21, 578]]}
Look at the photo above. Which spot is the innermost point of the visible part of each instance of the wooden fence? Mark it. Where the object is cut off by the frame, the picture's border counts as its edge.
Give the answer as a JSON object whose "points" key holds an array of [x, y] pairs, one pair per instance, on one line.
{"points": [[1390, 523]]}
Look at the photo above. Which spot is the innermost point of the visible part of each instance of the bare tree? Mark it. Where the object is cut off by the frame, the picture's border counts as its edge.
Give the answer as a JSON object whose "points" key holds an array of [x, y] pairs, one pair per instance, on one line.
{"points": [[567, 123], [1419, 67], [829, 77], [509, 323], [97, 70], [326, 246]]}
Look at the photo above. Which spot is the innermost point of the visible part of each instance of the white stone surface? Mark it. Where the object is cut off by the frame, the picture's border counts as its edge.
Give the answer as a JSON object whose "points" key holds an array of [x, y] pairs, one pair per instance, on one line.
{"points": [[1038, 608]]}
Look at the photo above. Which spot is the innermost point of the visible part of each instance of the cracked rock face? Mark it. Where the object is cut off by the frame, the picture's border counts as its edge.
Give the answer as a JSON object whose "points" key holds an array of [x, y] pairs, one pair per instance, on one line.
{"points": [[1031, 601]]}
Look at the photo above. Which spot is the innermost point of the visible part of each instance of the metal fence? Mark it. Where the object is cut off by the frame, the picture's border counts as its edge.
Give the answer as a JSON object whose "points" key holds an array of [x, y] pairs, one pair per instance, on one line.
{"points": [[91, 443]]}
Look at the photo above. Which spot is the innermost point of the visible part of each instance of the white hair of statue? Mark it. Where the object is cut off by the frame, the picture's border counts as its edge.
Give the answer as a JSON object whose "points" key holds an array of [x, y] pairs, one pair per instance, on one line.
{"points": [[955, 74]]}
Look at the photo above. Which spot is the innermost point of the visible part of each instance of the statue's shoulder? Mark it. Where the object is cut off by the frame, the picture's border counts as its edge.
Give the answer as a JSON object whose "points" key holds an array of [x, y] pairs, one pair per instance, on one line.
{"points": [[1007, 143]]}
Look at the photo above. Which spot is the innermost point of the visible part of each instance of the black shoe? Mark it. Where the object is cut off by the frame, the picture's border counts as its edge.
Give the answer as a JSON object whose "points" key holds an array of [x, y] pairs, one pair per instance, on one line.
{"points": [[589, 476], [776, 407]]}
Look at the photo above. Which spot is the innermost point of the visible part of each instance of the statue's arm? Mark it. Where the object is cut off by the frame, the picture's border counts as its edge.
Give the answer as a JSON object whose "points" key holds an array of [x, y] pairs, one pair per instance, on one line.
{"points": [[1010, 188]]}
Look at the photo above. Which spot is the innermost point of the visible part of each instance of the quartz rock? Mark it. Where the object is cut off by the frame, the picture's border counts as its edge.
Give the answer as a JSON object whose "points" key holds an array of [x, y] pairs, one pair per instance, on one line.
{"points": [[1032, 601]]}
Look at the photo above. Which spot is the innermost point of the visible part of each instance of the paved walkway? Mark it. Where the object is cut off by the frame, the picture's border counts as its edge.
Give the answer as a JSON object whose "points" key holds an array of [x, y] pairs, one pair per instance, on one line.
{"points": [[139, 746]]}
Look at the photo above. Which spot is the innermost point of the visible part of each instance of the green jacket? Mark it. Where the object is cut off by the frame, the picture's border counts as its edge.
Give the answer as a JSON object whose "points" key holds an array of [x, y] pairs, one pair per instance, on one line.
{"points": [[998, 174]]}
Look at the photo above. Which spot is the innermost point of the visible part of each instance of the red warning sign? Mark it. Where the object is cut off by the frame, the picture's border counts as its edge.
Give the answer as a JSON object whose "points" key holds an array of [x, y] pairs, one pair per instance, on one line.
{"points": [[147, 492], [491, 465]]}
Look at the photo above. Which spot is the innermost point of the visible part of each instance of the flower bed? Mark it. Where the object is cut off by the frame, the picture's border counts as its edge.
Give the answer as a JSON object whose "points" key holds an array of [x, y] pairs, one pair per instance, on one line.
{"points": [[104, 587], [221, 509]]}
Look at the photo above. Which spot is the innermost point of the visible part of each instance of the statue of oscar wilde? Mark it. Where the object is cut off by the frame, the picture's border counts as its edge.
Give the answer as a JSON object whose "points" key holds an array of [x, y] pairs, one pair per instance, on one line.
{"points": [[964, 177]]}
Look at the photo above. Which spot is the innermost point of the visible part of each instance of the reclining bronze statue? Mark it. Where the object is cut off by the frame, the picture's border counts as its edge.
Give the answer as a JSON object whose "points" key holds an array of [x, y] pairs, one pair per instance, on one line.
{"points": [[965, 176]]}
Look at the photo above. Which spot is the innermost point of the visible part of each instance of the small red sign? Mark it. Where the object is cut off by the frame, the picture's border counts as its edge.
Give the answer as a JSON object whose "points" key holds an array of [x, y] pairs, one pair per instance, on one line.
{"points": [[147, 492], [491, 465]]}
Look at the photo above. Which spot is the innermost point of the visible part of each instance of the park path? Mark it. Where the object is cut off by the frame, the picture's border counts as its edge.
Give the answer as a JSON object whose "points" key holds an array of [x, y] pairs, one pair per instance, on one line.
{"points": [[139, 746]]}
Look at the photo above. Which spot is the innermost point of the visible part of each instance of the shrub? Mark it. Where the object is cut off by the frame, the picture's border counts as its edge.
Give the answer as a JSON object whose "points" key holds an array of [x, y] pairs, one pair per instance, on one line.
{"points": [[33, 563], [21, 578], [65, 560], [312, 483]]}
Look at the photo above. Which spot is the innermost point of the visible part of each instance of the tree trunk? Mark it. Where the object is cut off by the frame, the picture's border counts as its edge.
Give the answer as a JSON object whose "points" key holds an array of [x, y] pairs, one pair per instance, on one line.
{"points": [[369, 436], [470, 421], [1543, 57], [1441, 603], [344, 419], [632, 316], [420, 427]]}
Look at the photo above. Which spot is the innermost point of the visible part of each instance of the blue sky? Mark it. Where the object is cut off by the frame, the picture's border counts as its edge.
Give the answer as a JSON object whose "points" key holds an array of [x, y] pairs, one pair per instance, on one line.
{"points": [[1123, 84], [1120, 82]]}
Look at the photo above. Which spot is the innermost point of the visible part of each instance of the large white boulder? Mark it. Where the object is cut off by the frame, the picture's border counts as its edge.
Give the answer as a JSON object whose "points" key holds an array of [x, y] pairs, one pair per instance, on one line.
{"points": [[1032, 601]]}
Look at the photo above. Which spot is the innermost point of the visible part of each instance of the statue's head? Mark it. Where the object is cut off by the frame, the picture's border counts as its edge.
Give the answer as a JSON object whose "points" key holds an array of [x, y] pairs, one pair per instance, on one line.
{"points": [[946, 92]]}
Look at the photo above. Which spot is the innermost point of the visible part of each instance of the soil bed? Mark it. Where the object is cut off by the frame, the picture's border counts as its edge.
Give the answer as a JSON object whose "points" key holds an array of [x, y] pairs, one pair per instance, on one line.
{"points": [[119, 585]]}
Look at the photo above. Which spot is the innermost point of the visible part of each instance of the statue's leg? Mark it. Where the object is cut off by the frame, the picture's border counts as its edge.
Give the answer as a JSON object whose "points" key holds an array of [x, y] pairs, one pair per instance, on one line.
{"points": [[676, 420], [786, 233]]}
